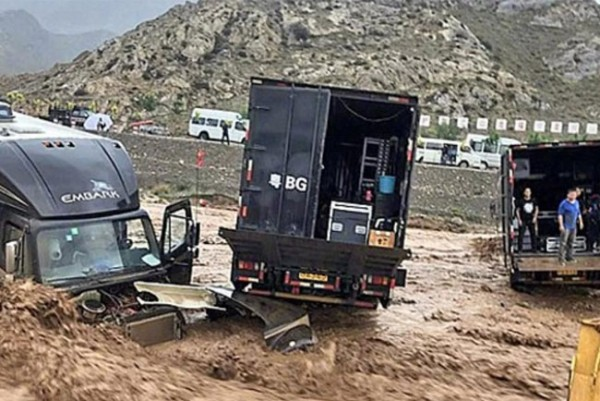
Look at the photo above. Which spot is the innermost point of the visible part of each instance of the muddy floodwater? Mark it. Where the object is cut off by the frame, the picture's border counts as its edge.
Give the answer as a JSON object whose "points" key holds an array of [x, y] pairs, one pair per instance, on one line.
{"points": [[456, 332]]}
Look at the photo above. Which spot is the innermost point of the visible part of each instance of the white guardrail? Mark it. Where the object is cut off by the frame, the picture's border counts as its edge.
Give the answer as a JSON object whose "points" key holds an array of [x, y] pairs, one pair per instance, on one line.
{"points": [[518, 125]]}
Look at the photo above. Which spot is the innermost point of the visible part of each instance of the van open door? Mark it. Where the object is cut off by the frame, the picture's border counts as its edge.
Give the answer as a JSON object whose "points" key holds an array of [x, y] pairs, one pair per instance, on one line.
{"points": [[178, 241]]}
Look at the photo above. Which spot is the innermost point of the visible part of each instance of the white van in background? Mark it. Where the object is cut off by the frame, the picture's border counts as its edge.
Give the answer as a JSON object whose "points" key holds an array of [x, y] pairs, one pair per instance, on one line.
{"points": [[205, 124], [446, 152], [491, 153]]}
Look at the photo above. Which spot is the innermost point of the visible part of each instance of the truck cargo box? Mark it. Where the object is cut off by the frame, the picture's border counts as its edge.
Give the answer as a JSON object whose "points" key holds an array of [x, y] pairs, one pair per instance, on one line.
{"points": [[550, 170], [311, 147]]}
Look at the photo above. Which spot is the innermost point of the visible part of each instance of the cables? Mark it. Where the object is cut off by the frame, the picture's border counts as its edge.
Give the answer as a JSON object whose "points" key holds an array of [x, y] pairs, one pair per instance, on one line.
{"points": [[371, 120]]}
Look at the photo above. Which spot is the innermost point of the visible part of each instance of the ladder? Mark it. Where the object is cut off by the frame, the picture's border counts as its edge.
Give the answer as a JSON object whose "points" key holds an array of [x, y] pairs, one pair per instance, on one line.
{"points": [[374, 163]]}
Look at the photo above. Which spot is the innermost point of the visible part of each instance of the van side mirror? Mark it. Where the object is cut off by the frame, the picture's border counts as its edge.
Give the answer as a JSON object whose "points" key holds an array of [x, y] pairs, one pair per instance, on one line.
{"points": [[11, 252]]}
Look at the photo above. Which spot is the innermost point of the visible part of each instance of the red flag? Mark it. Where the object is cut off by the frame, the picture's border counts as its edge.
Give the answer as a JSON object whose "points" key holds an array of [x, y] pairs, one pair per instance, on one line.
{"points": [[200, 158]]}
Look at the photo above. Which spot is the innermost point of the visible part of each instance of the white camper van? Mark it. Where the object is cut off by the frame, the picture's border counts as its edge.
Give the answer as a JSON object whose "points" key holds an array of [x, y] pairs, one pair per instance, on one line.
{"points": [[446, 152], [205, 124], [489, 152]]}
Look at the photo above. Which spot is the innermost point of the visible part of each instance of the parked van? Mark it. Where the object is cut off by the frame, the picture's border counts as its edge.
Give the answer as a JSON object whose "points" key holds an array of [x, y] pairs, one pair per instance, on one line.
{"points": [[489, 152], [205, 124], [441, 151]]}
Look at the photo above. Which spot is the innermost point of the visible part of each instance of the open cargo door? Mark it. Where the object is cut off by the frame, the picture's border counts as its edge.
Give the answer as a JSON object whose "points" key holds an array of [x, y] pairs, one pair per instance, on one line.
{"points": [[279, 189], [506, 213]]}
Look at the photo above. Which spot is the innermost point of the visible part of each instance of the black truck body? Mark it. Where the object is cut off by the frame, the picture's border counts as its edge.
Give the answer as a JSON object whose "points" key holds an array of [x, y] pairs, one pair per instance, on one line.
{"points": [[315, 154], [70, 217], [549, 170]]}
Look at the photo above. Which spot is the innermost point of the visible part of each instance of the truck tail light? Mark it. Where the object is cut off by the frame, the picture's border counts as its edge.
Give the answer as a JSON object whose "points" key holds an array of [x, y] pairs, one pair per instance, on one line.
{"points": [[247, 135], [243, 265], [244, 211], [401, 100], [377, 280], [249, 170]]}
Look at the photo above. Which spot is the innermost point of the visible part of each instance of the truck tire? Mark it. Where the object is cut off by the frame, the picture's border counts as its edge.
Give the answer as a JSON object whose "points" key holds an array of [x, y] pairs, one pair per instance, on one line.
{"points": [[203, 136], [463, 164], [484, 166], [420, 160]]}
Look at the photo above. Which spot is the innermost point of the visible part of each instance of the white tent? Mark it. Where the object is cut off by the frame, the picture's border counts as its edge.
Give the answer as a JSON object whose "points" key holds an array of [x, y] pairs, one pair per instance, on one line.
{"points": [[98, 123]]}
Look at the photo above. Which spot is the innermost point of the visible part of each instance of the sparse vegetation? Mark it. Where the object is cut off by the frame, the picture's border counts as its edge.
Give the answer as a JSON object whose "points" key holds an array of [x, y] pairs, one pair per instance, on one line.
{"points": [[447, 131], [146, 102], [493, 138], [16, 98], [536, 137], [300, 32]]}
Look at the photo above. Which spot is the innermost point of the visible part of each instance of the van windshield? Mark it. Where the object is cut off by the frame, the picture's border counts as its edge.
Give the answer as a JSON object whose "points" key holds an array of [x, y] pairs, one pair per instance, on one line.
{"points": [[87, 250]]}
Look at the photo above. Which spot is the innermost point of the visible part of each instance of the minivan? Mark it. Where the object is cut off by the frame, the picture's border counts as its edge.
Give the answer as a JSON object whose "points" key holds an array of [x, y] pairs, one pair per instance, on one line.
{"points": [[205, 124], [441, 151], [490, 152]]}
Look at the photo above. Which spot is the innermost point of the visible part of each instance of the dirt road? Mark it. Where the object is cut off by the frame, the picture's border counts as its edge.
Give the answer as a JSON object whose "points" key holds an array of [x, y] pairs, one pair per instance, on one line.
{"points": [[457, 332]]}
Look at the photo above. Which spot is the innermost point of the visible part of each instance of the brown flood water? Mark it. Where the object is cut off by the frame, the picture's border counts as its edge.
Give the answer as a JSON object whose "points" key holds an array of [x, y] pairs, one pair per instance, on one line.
{"points": [[457, 332]]}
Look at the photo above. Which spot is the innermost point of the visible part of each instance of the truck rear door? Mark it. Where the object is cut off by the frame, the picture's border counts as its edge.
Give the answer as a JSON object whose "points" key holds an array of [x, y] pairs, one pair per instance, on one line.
{"points": [[279, 188], [506, 213]]}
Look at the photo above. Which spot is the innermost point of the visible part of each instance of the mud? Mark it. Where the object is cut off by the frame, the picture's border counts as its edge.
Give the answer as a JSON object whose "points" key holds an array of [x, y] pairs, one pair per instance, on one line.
{"points": [[457, 332]]}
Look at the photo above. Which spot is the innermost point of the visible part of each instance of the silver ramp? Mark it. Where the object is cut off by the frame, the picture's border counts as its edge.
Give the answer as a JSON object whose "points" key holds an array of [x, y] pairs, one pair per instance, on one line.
{"points": [[287, 327]]}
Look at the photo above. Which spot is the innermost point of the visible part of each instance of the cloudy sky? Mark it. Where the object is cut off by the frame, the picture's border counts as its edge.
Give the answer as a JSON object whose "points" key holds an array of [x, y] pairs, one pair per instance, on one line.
{"points": [[75, 16]]}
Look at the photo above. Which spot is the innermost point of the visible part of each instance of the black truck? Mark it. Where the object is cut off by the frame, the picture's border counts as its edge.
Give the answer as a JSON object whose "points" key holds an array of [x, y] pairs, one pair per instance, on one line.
{"points": [[324, 194], [549, 170], [73, 117], [70, 217]]}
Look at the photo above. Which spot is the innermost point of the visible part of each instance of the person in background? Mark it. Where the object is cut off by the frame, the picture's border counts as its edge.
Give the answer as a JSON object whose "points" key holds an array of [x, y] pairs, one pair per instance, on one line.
{"points": [[225, 129], [527, 215], [101, 125], [569, 215], [592, 223]]}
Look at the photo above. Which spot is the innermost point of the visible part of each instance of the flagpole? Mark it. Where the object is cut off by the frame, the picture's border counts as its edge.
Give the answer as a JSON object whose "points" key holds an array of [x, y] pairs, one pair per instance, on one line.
{"points": [[197, 192], [199, 164]]}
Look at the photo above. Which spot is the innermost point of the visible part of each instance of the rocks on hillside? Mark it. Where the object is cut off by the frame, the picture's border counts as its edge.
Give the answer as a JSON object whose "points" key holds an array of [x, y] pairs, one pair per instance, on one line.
{"points": [[205, 53], [577, 58]]}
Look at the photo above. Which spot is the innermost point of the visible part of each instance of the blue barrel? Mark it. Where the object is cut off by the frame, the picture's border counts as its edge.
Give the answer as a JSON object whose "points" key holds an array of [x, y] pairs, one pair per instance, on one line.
{"points": [[387, 184]]}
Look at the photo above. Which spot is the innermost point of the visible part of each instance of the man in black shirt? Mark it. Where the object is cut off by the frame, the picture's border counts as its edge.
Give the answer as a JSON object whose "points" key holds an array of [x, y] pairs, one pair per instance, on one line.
{"points": [[225, 128], [527, 214]]}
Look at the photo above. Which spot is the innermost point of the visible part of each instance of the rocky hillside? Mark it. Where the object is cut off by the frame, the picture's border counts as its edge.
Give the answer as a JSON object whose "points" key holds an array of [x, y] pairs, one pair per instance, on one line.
{"points": [[25, 46], [470, 57]]}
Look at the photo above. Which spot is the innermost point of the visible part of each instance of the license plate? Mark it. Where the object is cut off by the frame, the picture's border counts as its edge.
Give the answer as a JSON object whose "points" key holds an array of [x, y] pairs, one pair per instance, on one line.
{"points": [[567, 272], [314, 277]]}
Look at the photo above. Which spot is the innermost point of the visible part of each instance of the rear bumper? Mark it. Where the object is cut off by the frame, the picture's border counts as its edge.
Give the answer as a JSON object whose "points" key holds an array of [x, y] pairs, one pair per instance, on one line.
{"points": [[555, 274], [312, 254], [313, 269]]}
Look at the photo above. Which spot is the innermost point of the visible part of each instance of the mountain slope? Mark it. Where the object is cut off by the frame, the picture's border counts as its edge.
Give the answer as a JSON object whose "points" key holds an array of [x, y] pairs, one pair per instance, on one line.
{"points": [[477, 57], [26, 47]]}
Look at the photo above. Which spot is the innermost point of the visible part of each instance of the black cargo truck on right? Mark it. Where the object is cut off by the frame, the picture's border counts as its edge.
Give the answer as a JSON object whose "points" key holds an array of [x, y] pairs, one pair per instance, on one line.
{"points": [[549, 171]]}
